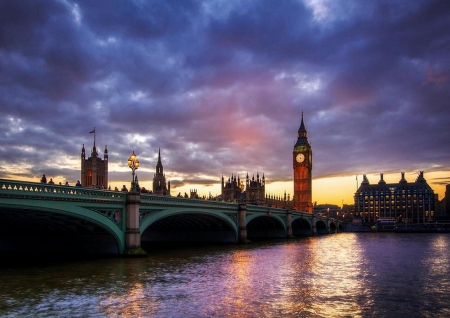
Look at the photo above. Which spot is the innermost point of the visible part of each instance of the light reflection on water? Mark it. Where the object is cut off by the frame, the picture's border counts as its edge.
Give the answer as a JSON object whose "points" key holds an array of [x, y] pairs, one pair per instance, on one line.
{"points": [[344, 275]]}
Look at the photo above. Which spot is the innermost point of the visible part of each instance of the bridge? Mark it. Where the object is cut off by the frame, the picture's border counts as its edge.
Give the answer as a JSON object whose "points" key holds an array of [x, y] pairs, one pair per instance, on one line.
{"points": [[53, 218]]}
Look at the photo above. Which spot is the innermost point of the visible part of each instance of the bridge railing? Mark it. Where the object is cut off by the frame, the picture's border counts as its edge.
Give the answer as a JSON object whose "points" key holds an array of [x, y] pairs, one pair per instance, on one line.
{"points": [[152, 199], [270, 210], [12, 188]]}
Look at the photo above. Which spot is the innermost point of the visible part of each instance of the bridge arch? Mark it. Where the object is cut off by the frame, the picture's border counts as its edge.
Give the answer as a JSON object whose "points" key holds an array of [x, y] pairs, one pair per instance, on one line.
{"points": [[333, 227], [188, 225], [265, 226], [49, 226], [321, 227], [301, 226]]}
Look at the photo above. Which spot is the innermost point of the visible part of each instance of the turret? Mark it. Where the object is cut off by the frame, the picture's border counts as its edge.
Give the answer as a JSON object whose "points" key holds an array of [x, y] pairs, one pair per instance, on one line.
{"points": [[381, 182], [365, 180], [420, 177], [403, 180]]}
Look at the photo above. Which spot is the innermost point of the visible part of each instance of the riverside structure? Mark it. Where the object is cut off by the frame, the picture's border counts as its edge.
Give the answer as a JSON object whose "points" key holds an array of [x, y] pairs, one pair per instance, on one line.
{"points": [[403, 201], [49, 218]]}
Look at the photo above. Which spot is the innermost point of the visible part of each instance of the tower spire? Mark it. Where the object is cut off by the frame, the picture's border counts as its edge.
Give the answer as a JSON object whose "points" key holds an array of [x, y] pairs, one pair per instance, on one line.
{"points": [[302, 128]]}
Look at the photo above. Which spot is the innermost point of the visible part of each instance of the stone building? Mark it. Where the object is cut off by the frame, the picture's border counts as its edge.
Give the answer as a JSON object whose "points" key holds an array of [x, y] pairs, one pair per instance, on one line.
{"points": [[232, 189], [94, 170], [160, 186], [407, 202], [255, 190], [302, 164], [252, 192]]}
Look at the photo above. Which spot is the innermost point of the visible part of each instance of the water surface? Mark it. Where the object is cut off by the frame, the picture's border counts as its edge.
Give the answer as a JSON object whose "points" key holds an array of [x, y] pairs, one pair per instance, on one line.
{"points": [[343, 275]]}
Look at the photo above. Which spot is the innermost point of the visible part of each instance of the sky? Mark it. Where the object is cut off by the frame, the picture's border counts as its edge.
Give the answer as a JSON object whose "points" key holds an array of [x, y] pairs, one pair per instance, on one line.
{"points": [[220, 87]]}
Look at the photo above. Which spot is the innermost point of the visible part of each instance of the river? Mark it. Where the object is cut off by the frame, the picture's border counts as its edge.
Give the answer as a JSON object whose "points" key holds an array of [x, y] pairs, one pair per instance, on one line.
{"points": [[341, 275]]}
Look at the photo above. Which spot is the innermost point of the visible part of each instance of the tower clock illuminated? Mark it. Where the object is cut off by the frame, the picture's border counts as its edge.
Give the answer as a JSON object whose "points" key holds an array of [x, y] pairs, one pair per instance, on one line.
{"points": [[302, 161]]}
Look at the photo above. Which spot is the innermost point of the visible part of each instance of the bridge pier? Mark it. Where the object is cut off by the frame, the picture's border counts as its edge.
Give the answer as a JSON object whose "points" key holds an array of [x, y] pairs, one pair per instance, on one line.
{"points": [[242, 213], [314, 229], [132, 233], [289, 223]]}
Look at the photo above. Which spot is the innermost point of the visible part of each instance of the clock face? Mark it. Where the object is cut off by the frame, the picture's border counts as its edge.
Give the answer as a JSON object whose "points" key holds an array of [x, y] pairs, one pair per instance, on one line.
{"points": [[300, 157]]}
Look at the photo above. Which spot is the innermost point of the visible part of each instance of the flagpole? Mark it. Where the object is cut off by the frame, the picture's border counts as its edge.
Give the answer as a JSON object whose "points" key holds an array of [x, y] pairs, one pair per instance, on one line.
{"points": [[94, 135]]}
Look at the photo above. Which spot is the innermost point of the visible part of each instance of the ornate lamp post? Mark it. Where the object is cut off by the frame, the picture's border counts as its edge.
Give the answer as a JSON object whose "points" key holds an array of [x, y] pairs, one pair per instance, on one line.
{"points": [[133, 163]]}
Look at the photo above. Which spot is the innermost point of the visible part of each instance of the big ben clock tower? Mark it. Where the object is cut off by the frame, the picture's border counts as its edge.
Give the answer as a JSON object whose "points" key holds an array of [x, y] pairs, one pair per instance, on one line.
{"points": [[302, 159]]}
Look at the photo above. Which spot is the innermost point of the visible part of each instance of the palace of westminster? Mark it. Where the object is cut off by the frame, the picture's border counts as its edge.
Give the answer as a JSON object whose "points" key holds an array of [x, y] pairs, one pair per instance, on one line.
{"points": [[415, 202]]}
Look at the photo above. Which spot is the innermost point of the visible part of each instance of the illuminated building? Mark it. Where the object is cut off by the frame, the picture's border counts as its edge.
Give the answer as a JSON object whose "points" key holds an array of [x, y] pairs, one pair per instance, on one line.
{"points": [[255, 190], [408, 202], [94, 170], [302, 162]]}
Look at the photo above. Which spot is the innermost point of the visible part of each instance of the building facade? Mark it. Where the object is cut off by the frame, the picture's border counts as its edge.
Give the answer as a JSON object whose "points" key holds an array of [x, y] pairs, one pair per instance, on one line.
{"points": [[302, 164], [94, 170], [252, 192], [232, 189], [255, 190], [406, 202], [160, 186]]}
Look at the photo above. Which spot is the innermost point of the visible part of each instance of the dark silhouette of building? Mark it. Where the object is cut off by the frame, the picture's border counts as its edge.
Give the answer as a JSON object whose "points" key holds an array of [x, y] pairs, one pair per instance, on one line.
{"points": [[447, 200], [94, 170], [255, 190], [232, 189], [408, 202], [252, 192], [160, 186], [193, 194], [302, 162]]}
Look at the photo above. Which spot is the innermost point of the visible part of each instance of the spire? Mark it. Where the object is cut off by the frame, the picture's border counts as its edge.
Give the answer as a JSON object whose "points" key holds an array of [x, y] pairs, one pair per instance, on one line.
{"points": [[159, 166], [302, 125], [302, 139], [94, 152]]}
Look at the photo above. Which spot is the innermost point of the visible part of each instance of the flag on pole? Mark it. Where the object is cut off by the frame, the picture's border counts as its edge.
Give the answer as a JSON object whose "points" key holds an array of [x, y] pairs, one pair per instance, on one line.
{"points": [[92, 132]]}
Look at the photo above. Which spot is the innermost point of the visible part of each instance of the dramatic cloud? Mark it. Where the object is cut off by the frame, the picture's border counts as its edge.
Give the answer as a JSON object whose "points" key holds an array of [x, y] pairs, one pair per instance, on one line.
{"points": [[220, 86]]}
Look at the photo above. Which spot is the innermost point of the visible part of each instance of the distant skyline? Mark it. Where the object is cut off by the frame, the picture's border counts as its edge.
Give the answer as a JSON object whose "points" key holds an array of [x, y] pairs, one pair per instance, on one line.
{"points": [[219, 87]]}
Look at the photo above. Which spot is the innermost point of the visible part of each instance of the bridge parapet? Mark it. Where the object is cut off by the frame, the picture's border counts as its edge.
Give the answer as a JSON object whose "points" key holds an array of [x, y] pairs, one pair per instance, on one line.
{"points": [[151, 199], [276, 211], [11, 188]]}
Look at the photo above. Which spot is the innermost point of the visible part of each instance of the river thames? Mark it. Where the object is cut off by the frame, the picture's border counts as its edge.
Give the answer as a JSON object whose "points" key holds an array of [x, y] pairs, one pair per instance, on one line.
{"points": [[341, 275]]}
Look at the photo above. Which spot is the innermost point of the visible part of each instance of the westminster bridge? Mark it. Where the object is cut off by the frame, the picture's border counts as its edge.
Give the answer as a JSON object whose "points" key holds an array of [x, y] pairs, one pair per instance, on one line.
{"points": [[48, 218]]}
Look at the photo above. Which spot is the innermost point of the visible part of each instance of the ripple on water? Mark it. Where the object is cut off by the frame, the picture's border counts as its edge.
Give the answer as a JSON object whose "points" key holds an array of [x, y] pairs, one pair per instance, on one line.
{"points": [[345, 275]]}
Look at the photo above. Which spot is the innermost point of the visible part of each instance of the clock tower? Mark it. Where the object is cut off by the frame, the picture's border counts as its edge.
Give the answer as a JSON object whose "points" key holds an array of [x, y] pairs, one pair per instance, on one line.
{"points": [[302, 161]]}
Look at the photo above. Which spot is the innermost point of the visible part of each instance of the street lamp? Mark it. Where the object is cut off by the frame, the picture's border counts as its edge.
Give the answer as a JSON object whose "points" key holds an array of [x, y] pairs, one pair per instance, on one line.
{"points": [[133, 163]]}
